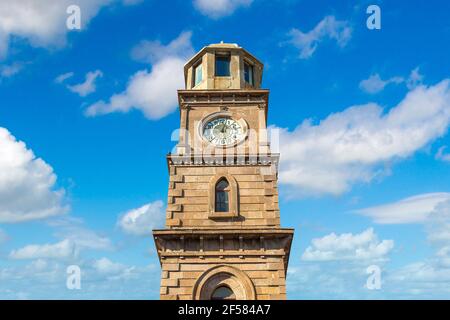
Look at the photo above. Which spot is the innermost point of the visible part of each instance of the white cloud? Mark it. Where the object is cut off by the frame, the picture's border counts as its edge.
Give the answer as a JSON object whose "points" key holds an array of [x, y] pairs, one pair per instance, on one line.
{"points": [[154, 51], [73, 229], [409, 210], [75, 237], [106, 266], [220, 8], [352, 146], [328, 28], [46, 279], [7, 71], [27, 184], [375, 84], [153, 92], [441, 155], [39, 271], [363, 246], [415, 79], [430, 277], [61, 250], [42, 23], [438, 226], [63, 77], [335, 266], [421, 279], [142, 220], [86, 87]]}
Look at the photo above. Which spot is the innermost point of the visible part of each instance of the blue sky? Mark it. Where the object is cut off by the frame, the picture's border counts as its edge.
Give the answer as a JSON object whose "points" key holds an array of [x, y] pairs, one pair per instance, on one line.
{"points": [[363, 114]]}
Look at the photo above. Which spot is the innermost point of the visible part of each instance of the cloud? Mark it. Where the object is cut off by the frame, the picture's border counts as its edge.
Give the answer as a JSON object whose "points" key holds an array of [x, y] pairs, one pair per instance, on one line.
{"points": [[114, 271], [75, 238], [220, 8], [73, 229], [438, 226], [375, 84], [7, 71], [61, 250], [142, 220], [154, 51], [27, 184], [431, 277], [334, 266], [414, 209], [153, 92], [46, 279], [328, 28], [63, 77], [86, 87], [106, 266], [352, 146], [362, 246], [42, 23], [441, 155], [415, 78]]}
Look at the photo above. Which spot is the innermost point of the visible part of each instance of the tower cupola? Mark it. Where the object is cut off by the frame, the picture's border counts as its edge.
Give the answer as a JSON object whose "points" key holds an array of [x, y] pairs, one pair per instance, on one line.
{"points": [[223, 66]]}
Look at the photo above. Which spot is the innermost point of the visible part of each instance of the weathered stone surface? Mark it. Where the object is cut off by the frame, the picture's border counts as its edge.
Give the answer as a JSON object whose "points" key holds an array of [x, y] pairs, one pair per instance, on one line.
{"points": [[243, 248]]}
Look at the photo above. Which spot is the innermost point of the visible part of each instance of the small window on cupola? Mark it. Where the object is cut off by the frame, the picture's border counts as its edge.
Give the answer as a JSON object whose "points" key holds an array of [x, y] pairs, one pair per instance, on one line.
{"points": [[248, 73], [198, 74], [223, 65]]}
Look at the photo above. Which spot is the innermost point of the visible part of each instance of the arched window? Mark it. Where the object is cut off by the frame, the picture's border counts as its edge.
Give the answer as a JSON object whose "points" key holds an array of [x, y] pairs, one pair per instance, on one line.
{"points": [[222, 196], [223, 293]]}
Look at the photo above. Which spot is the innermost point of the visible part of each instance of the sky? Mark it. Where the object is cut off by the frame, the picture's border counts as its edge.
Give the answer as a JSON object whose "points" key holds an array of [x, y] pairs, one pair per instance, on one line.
{"points": [[87, 116]]}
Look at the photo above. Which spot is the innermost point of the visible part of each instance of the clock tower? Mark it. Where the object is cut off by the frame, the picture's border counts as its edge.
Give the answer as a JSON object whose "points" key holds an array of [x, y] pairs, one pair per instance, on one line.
{"points": [[223, 238]]}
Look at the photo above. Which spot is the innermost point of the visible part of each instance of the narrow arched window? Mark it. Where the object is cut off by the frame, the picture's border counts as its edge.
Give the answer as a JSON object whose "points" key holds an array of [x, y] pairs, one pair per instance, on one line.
{"points": [[223, 293], [222, 196]]}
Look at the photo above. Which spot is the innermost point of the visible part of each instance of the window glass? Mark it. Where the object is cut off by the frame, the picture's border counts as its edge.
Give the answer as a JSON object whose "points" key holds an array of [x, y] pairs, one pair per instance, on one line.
{"points": [[198, 74], [222, 65], [223, 293], [222, 200], [248, 73]]}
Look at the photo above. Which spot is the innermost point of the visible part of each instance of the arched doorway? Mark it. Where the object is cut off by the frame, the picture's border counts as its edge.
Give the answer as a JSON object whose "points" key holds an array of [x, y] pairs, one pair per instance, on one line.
{"points": [[224, 283]]}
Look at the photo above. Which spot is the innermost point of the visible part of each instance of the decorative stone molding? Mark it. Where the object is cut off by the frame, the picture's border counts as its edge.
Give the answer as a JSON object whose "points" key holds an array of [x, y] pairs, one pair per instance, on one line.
{"points": [[238, 160], [237, 280], [199, 98]]}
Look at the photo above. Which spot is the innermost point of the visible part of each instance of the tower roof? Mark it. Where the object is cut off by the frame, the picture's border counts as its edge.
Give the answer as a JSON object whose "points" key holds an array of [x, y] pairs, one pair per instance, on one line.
{"points": [[220, 45]]}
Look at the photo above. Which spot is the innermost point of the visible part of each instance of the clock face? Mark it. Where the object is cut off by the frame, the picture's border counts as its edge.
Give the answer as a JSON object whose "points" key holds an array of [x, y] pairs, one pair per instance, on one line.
{"points": [[223, 131]]}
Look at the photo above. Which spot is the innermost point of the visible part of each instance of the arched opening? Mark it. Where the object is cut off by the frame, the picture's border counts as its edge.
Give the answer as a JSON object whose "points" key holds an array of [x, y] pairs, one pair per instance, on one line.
{"points": [[222, 203], [223, 197], [224, 283], [223, 293]]}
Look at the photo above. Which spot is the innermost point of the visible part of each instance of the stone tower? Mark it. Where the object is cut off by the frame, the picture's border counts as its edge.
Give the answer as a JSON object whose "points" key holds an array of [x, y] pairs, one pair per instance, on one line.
{"points": [[223, 238]]}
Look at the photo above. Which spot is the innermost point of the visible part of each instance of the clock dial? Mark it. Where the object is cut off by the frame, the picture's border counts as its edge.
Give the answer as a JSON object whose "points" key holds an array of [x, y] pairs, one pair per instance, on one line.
{"points": [[223, 131]]}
